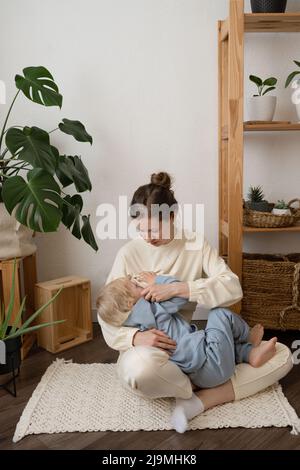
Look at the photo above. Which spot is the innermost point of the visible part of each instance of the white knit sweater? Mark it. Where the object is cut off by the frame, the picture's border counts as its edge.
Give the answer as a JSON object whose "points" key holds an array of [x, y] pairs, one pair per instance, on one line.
{"points": [[210, 281]]}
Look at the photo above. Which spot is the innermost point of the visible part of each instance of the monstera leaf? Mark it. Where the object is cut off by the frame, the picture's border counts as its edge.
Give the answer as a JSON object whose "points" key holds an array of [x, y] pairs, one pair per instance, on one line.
{"points": [[71, 219], [71, 214], [72, 170], [76, 129], [37, 202], [87, 232], [38, 86], [32, 145]]}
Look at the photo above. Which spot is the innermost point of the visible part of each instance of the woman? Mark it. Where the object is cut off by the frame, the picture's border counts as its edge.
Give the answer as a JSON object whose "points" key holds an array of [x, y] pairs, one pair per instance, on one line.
{"points": [[143, 364]]}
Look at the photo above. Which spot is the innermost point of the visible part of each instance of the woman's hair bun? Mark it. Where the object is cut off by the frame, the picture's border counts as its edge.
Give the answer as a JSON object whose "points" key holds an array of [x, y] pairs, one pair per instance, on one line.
{"points": [[161, 179]]}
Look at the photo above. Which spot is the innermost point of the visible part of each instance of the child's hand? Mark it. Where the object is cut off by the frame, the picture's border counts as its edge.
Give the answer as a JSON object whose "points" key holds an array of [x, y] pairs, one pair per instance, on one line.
{"points": [[147, 277]]}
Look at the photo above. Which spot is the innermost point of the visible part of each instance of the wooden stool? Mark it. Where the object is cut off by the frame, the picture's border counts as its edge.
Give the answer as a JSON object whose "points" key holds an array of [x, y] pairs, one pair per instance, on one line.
{"points": [[25, 281]]}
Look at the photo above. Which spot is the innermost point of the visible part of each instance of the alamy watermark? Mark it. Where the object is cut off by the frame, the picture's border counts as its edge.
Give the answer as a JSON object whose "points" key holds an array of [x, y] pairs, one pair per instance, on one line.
{"points": [[155, 223]]}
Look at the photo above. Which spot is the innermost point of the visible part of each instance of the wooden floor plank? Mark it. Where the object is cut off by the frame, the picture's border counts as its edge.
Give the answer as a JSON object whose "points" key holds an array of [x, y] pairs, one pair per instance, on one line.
{"points": [[96, 350]]}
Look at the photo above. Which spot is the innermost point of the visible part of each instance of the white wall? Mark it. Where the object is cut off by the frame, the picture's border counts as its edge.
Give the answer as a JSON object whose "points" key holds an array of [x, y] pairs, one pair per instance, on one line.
{"points": [[142, 76]]}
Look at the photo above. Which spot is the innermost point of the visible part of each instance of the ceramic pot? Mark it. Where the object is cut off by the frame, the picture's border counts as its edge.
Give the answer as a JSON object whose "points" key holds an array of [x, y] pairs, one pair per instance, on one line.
{"points": [[262, 108], [13, 355]]}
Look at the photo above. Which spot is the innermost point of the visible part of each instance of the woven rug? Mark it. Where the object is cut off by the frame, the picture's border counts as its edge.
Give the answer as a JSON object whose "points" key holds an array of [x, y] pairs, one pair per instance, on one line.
{"points": [[89, 397]]}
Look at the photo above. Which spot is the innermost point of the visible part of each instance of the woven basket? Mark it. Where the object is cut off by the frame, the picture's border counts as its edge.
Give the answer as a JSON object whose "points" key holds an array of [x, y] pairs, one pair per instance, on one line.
{"points": [[267, 219], [295, 211], [271, 285]]}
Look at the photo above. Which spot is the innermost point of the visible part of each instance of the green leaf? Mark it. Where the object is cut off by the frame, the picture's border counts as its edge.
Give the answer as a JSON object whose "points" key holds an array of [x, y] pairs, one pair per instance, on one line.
{"points": [[71, 213], [37, 202], [291, 77], [32, 145], [256, 80], [22, 331], [87, 232], [38, 86], [71, 170], [9, 310], [76, 129], [270, 81], [38, 312], [18, 317], [269, 89], [297, 63]]}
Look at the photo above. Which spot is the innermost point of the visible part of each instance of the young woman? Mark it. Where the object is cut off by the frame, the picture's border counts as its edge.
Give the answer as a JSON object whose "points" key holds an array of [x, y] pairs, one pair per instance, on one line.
{"points": [[143, 364]]}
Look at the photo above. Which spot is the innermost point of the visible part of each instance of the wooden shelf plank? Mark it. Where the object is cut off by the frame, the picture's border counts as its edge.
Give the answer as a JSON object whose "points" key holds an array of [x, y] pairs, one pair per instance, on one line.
{"points": [[272, 22], [293, 228], [292, 126]]}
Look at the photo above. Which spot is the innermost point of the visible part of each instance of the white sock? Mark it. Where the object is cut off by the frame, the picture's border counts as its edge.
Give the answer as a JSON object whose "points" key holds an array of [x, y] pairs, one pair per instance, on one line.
{"points": [[184, 411]]}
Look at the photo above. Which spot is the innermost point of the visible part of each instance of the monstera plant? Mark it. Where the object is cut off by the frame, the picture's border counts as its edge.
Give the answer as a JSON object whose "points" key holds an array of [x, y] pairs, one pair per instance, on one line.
{"points": [[34, 173]]}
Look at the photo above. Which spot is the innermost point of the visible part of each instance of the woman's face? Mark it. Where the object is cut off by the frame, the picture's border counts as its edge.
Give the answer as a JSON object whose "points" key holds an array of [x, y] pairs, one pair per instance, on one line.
{"points": [[156, 232]]}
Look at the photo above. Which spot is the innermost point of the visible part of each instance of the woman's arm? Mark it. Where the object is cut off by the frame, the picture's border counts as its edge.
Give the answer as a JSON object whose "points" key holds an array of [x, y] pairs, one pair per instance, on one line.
{"points": [[221, 288]]}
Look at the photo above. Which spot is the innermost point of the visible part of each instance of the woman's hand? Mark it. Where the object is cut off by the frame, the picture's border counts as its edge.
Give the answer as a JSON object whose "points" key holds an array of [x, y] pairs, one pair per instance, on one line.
{"points": [[161, 292], [155, 338]]}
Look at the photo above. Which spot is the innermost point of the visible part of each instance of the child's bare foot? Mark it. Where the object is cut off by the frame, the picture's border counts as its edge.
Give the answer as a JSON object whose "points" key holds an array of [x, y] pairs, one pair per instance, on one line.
{"points": [[256, 335], [261, 354]]}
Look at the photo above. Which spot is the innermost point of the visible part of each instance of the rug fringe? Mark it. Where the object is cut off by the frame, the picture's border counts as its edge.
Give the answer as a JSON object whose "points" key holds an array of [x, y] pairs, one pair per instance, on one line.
{"points": [[25, 418]]}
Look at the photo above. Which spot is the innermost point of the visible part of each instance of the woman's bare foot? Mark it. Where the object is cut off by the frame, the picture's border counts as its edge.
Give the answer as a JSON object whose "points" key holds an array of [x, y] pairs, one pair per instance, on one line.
{"points": [[261, 354], [256, 335]]}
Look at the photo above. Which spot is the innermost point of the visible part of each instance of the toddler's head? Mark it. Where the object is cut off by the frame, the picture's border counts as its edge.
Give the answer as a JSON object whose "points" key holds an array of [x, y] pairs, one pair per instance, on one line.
{"points": [[116, 299]]}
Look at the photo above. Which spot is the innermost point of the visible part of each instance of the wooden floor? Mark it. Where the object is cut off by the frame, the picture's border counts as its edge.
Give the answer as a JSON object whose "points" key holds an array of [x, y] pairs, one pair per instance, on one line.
{"points": [[96, 351]]}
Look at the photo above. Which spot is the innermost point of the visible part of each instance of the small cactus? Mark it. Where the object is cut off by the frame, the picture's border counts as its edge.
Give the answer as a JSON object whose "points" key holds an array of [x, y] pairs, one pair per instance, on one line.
{"points": [[255, 194]]}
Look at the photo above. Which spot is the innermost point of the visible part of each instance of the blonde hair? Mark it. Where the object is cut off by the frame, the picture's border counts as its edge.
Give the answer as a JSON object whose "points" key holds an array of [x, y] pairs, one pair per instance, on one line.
{"points": [[112, 302]]}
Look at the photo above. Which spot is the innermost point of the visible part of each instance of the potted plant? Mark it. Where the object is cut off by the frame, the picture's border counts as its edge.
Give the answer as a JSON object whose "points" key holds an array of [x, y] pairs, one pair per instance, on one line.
{"points": [[268, 6], [296, 87], [34, 173], [256, 201], [281, 208], [261, 106], [12, 330]]}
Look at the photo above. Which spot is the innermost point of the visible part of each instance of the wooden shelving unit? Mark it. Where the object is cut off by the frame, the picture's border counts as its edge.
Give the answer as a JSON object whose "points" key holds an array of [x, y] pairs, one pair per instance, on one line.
{"points": [[231, 33]]}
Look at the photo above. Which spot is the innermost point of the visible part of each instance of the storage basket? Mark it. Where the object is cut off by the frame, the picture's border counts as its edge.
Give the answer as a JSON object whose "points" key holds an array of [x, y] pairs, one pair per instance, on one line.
{"points": [[295, 211], [267, 219], [271, 287]]}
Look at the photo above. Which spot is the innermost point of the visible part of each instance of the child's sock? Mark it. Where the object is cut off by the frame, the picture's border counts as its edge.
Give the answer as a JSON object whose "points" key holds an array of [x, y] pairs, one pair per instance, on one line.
{"points": [[184, 411]]}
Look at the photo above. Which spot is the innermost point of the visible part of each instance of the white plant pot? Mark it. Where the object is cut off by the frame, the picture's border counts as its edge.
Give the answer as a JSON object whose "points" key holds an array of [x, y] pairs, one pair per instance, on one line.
{"points": [[262, 108], [281, 211], [15, 239], [296, 96]]}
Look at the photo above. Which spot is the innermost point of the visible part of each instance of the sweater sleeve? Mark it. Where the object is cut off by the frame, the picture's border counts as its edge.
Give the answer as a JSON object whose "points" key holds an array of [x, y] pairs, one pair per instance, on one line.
{"points": [[117, 338], [221, 288], [173, 304]]}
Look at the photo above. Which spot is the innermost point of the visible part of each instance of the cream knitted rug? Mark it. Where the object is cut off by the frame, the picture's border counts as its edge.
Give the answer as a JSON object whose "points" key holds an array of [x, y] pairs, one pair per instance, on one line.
{"points": [[89, 397]]}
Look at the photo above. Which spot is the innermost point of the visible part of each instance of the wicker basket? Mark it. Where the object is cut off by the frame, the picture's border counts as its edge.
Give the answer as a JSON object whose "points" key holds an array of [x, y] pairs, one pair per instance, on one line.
{"points": [[295, 211], [267, 219], [271, 285]]}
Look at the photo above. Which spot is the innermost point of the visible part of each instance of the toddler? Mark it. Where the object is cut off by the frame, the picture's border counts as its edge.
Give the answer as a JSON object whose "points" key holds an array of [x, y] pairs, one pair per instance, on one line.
{"points": [[208, 356]]}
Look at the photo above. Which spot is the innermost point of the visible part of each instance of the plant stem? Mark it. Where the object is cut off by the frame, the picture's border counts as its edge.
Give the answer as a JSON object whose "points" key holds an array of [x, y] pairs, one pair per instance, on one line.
{"points": [[53, 130], [7, 116]]}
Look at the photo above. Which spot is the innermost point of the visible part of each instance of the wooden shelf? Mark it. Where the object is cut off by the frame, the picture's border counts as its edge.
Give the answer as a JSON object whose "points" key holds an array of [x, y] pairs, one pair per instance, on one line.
{"points": [[231, 125], [246, 229], [268, 127], [272, 22], [293, 126], [293, 228]]}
